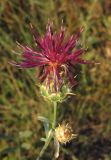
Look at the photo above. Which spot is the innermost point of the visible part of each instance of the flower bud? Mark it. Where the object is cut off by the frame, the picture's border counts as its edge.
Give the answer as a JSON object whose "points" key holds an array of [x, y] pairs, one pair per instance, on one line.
{"points": [[55, 96]]}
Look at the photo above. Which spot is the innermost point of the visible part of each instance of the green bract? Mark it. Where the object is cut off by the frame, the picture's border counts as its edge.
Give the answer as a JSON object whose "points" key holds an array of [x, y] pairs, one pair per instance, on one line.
{"points": [[55, 96]]}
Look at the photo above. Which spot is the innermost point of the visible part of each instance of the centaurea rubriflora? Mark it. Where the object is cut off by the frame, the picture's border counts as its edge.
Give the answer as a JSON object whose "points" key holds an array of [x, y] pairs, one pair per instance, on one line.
{"points": [[55, 57]]}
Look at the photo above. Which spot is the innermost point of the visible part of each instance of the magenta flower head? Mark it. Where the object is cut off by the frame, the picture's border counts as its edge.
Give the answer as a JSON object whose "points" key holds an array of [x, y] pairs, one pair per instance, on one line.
{"points": [[54, 56]]}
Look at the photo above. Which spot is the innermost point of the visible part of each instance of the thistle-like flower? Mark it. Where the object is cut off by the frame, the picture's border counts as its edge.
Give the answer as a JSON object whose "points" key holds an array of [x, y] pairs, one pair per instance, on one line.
{"points": [[64, 133], [54, 56]]}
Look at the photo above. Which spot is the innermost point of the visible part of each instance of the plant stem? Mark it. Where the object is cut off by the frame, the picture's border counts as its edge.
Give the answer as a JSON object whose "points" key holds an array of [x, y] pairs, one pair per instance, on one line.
{"points": [[50, 133], [55, 115]]}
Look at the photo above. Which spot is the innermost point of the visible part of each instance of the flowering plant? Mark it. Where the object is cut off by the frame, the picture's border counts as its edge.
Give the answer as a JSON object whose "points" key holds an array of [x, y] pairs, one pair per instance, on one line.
{"points": [[55, 58]]}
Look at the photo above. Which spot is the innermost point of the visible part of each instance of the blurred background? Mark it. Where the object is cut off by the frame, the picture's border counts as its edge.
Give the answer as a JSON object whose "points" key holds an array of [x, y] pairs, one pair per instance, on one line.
{"points": [[20, 100]]}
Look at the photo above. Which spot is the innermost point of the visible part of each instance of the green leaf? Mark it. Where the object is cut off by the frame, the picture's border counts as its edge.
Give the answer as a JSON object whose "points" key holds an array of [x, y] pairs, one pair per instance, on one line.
{"points": [[45, 123], [43, 139]]}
